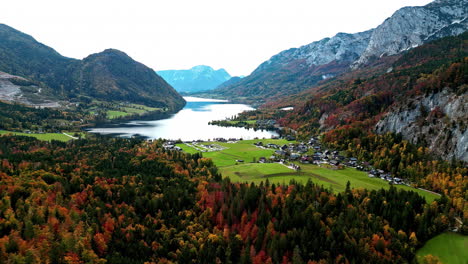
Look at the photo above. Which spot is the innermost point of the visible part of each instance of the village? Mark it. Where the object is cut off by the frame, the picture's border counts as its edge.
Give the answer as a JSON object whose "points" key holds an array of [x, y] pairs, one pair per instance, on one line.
{"points": [[293, 154]]}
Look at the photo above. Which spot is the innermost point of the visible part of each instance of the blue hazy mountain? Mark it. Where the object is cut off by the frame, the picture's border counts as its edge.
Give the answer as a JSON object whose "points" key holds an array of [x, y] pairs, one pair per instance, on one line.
{"points": [[198, 78]]}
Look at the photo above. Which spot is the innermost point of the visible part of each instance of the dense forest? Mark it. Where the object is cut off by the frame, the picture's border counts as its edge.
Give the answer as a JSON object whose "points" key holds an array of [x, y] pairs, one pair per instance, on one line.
{"points": [[131, 201], [16, 117]]}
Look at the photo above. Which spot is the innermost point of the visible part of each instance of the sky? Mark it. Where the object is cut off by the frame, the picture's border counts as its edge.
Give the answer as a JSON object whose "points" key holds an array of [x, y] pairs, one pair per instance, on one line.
{"points": [[237, 35]]}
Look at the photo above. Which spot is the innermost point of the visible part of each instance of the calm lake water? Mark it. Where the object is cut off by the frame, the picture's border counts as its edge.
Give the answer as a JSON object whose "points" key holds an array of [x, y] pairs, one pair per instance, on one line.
{"points": [[190, 123]]}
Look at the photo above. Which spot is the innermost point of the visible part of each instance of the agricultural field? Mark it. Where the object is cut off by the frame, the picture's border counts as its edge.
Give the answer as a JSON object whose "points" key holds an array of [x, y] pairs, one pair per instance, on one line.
{"points": [[450, 248], [117, 110], [244, 121], [248, 171], [242, 150], [333, 179], [44, 136]]}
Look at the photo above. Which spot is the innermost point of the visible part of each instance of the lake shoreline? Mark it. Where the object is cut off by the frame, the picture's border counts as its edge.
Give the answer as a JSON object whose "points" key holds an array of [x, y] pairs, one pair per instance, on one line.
{"points": [[188, 124]]}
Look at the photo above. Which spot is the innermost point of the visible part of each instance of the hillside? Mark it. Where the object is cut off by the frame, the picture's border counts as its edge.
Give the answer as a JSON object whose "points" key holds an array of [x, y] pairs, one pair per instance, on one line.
{"points": [[299, 69], [44, 77], [198, 78], [113, 75], [422, 95]]}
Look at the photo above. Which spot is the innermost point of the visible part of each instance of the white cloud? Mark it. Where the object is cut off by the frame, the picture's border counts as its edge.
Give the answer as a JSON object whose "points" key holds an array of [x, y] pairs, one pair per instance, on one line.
{"points": [[236, 35]]}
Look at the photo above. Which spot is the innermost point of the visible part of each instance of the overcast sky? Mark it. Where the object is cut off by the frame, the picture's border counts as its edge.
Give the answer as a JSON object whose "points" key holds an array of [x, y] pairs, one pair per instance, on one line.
{"points": [[236, 35]]}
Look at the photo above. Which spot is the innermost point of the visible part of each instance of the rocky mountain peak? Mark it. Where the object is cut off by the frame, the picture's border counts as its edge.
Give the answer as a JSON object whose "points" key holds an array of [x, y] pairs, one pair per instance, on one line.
{"points": [[343, 47], [410, 27]]}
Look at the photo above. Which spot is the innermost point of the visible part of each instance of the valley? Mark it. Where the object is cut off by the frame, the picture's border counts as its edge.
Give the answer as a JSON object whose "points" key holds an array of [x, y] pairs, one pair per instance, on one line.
{"points": [[352, 148], [243, 161]]}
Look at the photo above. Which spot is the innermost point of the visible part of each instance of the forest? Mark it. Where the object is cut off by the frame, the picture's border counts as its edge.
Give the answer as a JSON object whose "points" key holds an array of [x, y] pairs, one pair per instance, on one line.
{"points": [[16, 117], [114, 200]]}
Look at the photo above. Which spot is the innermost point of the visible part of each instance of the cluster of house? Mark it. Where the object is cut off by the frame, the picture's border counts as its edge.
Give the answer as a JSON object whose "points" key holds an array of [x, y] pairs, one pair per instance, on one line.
{"points": [[301, 152], [385, 176], [230, 140], [287, 151], [171, 145]]}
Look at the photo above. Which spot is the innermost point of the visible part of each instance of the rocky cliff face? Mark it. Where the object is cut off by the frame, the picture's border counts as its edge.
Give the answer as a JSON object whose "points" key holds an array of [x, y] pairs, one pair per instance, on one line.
{"points": [[342, 47], [410, 27], [437, 120]]}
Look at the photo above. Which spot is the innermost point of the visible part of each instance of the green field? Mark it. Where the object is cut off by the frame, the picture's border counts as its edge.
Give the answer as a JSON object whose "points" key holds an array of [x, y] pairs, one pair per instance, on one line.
{"points": [[277, 173], [111, 114], [450, 248], [116, 110], [246, 121], [43, 136], [334, 179], [244, 150]]}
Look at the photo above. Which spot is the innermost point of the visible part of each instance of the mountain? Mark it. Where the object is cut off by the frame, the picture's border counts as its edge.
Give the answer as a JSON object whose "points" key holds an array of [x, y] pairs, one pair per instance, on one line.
{"points": [[410, 27], [113, 75], [424, 118], [231, 81], [198, 78], [38, 75], [298, 69], [420, 94]]}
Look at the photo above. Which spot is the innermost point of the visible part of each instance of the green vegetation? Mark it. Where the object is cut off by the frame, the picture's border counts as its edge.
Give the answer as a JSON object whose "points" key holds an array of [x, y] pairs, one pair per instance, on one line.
{"points": [[329, 178], [244, 121], [450, 248], [113, 110], [111, 114], [131, 201], [242, 150], [44, 136], [246, 171], [110, 75], [16, 117]]}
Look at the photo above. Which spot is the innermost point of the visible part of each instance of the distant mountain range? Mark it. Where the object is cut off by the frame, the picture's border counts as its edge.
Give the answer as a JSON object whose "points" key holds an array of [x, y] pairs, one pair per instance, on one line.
{"points": [[298, 69], [35, 74], [198, 78]]}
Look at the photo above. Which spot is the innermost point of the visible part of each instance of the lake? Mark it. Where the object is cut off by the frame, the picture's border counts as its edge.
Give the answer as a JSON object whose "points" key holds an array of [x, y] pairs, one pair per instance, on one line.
{"points": [[190, 123]]}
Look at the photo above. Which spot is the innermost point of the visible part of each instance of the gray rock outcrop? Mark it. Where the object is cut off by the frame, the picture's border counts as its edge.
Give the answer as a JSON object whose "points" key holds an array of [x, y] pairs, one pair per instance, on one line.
{"points": [[438, 120], [410, 27]]}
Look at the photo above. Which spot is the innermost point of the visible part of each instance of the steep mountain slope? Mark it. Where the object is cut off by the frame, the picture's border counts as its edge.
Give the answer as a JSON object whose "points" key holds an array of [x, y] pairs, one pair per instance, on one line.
{"points": [[412, 26], [38, 75], [22, 55], [295, 70], [422, 95], [436, 119], [230, 82], [198, 78], [113, 75]]}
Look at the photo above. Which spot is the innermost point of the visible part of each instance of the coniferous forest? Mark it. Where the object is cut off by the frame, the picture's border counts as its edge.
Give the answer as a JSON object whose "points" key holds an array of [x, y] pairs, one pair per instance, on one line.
{"points": [[111, 200], [346, 119]]}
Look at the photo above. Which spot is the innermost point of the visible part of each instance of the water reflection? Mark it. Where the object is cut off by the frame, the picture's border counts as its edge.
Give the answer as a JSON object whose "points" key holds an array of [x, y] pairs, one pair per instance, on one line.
{"points": [[191, 123]]}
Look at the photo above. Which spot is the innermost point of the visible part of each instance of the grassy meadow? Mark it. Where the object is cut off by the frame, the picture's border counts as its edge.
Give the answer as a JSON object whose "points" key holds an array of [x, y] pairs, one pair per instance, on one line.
{"points": [[43, 136], [248, 171], [450, 248]]}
